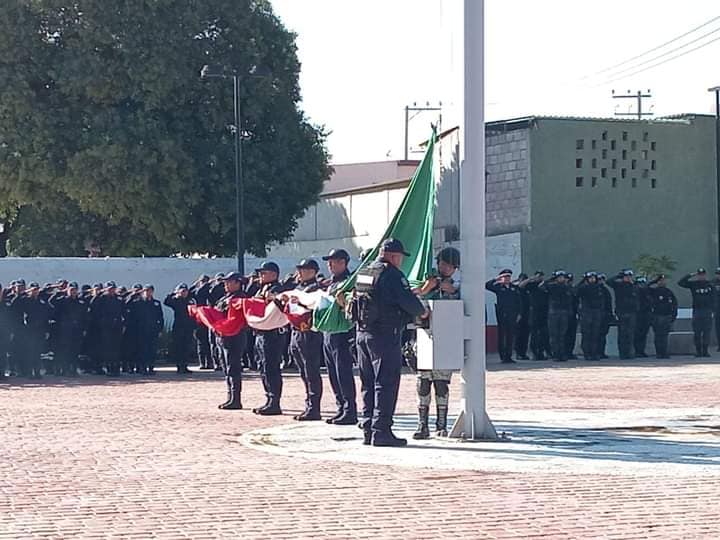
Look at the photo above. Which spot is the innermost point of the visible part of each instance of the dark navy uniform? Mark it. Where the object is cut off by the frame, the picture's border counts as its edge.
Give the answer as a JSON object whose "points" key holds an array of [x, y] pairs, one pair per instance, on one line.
{"points": [[306, 348], [150, 322], [703, 297], [716, 308], [591, 296], [6, 323], [216, 293], [231, 350], [268, 351], [132, 337], [71, 316], [522, 336], [32, 332], [560, 300], [644, 320], [627, 303], [571, 334], [181, 346], [339, 362], [507, 309], [539, 336], [200, 292], [608, 317], [379, 348], [664, 309]]}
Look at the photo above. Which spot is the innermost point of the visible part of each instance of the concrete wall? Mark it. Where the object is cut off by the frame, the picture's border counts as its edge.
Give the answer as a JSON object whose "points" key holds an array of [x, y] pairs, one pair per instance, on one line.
{"points": [[507, 189], [598, 226], [163, 273]]}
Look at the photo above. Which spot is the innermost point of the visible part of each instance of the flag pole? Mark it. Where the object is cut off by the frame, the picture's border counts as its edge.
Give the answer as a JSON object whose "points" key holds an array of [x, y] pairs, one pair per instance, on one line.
{"points": [[473, 422]]}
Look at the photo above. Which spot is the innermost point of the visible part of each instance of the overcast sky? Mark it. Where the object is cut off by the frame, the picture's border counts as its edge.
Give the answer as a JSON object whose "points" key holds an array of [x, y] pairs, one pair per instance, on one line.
{"points": [[364, 60]]}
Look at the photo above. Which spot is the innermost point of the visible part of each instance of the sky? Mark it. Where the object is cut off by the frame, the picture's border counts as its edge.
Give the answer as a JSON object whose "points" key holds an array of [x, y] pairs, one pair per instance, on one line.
{"points": [[363, 61]]}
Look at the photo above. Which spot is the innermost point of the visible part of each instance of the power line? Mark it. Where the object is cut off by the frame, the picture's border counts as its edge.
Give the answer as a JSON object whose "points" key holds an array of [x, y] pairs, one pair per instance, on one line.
{"points": [[644, 62], [659, 63], [653, 49]]}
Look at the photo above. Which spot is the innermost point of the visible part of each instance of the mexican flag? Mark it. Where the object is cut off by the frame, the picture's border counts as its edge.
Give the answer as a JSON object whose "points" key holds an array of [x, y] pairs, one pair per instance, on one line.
{"points": [[412, 225]]}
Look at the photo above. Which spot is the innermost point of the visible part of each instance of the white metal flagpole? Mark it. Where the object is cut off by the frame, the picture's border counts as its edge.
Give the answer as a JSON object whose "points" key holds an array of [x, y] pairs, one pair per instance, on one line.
{"points": [[473, 422]]}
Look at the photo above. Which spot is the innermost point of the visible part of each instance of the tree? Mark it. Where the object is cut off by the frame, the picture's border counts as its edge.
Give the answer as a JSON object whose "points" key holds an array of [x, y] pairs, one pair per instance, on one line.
{"points": [[650, 265], [106, 125]]}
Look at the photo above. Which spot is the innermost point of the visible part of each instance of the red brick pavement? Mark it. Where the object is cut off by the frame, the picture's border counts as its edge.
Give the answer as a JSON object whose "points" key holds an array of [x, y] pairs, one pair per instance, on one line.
{"points": [[94, 458]]}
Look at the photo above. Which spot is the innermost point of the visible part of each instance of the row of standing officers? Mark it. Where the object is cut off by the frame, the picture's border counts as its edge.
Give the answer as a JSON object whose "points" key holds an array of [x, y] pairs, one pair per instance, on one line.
{"points": [[544, 313]]}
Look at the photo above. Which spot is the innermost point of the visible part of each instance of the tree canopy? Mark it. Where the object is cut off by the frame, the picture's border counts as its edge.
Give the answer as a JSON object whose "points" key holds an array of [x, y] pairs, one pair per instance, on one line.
{"points": [[109, 137]]}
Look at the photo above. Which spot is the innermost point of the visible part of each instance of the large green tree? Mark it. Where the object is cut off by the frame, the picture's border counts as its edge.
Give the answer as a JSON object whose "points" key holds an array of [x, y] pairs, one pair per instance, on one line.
{"points": [[109, 136]]}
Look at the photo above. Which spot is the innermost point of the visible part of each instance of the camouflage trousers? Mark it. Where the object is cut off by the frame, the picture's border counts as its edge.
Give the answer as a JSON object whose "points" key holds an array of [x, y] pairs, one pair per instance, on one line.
{"points": [[440, 379]]}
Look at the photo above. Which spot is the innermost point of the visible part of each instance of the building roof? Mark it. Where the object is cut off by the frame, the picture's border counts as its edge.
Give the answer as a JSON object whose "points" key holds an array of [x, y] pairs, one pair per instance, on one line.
{"points": [[527, 121], [355, 176]]}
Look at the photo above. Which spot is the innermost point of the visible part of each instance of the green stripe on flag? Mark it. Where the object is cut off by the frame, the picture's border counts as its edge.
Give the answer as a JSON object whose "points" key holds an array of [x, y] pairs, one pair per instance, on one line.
{"points": [[412, 225]]}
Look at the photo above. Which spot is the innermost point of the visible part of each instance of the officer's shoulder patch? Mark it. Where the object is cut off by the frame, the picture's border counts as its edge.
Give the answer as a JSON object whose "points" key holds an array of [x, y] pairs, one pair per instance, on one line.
{"points": [[405, 282]]}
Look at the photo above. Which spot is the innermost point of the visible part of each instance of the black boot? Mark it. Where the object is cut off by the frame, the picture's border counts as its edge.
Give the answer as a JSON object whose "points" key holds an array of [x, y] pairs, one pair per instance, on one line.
{"points": [[441, 421], [272, 409], [423, 432], [235, 389], [228, 399]]}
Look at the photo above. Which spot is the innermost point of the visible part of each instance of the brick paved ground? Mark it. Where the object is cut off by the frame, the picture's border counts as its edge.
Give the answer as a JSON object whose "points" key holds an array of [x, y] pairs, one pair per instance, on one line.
{"points": [[133, 458]]}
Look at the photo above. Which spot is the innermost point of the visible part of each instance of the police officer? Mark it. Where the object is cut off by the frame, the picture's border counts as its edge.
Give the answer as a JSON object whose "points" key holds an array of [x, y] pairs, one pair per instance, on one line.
{"points": [[440, 286], [200, 292], [269, 344], [71, 316], [181, 345], [703, 298], [5, 332], [539, 337], [644, 317], [306, 346], [507, 310], [664, 310], [337, 347], [382, 306], [571, 334], [132, 345], [560, 300], [627, 303], [232, 348], [591, 297], [108, 309], [608, 315], [522, 335], [34, 313], [151, 322]]}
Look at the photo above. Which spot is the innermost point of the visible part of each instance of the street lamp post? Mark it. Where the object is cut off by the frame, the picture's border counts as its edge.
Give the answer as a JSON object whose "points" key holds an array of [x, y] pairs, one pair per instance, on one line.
{"points": [[213, 71], [716, 90]]}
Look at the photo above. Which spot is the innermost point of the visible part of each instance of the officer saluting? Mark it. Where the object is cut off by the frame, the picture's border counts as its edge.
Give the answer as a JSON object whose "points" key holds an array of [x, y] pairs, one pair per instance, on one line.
{"points": [[703, 298], [382, 305], [232, 347]]}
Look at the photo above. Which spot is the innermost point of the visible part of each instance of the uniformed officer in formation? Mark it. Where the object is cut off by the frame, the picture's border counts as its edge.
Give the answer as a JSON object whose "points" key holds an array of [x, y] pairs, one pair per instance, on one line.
{"points": [[644, 317], [703, 302], [232, 348], [200, 292], [181, 346], [440, 286], [627, 304], [560, 299], [337, 347], [590, 294], [507, 310], [664, 311], [306, 345], [382, 305]]}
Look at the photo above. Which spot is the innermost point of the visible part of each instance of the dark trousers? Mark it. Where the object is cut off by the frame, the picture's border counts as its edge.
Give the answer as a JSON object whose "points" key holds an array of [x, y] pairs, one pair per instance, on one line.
{"points": [[147, 351], [642, 328], [661, 325], [232, 349], [30, 347], [67, 352], [604, 331], [380, 361], [268, 351], [716, 315], [539, 336], [522, 335], [202, 347], [557, 328], [626, 334], [701, 325], [591, 321], [181, 347], [306, 349], [571, 334], [215, 349], [4, 347], [339, 363], [506, 332]]}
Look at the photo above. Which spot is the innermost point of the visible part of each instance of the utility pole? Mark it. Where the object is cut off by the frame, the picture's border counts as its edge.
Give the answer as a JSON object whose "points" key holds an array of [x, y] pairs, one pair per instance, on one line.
{"points": [[639, 96], [417, 110], [716, 91]]}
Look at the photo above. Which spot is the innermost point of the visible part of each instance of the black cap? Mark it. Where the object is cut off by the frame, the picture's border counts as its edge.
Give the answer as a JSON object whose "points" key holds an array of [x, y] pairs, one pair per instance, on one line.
{"points": [[505, 272], [85, 287], [234, 276], [641, 279], [628, 272], [204, 277], [97, 286], [701, 271], [181, 286], [20, 282], [33, 285], [337, 254], [110, 285], [72, 285], [393, 245], [137, 286], [47, 285], [148, 287], [590, 274], [219, 275], [268, 266], [308, 264]]}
